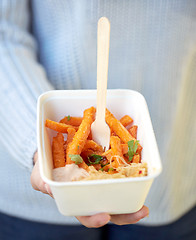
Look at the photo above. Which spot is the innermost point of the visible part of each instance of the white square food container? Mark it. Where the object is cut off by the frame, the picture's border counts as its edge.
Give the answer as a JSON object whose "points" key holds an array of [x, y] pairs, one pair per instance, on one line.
{"points": [[114, 196]]}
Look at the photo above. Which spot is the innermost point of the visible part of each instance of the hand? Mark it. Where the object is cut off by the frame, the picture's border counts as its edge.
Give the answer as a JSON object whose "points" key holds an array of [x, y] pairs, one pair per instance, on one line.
{"points": [[94, 221], [36, 180], [102, 219]]}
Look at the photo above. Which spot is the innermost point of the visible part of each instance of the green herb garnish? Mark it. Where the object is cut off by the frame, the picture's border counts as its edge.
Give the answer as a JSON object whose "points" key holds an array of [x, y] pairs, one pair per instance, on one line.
{"points": [[96, 158], [101, 169], [68, 118], [111, 169], [76, 158], [132, 148]]}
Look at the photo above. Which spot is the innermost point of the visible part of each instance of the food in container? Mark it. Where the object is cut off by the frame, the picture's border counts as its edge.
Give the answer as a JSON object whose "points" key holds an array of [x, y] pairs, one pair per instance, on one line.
{"points": [[114, 195]]}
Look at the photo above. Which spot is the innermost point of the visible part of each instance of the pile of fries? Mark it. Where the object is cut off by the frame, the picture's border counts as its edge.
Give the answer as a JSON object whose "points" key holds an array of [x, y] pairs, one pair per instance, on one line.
{"points": [[79, 147]]}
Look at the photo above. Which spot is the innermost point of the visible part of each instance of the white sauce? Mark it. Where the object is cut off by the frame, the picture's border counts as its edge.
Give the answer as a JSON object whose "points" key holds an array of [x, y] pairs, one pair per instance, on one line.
{"points": [[71, 172]]}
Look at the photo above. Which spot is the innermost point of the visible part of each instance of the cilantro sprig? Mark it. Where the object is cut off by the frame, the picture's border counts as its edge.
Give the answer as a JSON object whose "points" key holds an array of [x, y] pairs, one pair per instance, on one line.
{"points": [[132, 148], [76, 158], [101, 169], [111, 169], [68, 118], [96, 158]]}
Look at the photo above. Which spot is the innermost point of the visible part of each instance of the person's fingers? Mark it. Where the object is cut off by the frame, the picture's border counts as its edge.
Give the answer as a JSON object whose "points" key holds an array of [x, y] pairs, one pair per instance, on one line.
{"points": [[48, 190], [35, 158], [131, 218], [94, 221], [102, 219], [37, 182]]}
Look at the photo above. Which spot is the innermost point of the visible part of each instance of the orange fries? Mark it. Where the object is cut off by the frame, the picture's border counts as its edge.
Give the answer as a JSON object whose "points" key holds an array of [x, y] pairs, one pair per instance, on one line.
{"points": [[80, 149], [90, 144], [133, 131], [78, 142], [118, 128], [126, 120], [59, 127], [58, 151], [117, 151], [74, 121], [70, 135]]}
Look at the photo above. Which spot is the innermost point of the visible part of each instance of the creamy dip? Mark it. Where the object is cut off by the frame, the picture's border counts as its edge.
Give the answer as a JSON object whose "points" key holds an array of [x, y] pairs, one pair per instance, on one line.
{"points": [[71, 172]]}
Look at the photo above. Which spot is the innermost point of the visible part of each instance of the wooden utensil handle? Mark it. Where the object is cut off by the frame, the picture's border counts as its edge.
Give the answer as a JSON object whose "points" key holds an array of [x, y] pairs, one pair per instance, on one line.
{"points": [[103, 40]]}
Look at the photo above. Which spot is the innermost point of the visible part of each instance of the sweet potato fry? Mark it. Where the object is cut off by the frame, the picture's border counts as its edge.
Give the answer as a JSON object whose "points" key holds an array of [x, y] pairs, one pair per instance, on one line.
{"points": [[58, 151], [118, 128], [90, 136], [108, 154], [133, 131], [112, 133], [74, 121], [59, 127], [80, 137], [70, 135], [117, 151], [90, 144], [124, 147], [139, 149], [136, 158], [126, 120]]}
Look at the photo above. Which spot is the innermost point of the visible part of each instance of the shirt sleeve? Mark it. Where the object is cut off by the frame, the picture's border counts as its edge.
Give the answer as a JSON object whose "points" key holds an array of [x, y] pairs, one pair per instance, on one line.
{"points": [[22, 80]]}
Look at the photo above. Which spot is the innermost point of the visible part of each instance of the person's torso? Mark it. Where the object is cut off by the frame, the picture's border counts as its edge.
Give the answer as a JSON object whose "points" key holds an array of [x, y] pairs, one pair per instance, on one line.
{"points": [[152, 46]]}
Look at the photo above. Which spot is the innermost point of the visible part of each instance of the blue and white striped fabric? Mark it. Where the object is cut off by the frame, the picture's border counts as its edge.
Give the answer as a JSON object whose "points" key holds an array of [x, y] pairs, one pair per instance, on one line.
{"points": [[52, 45]]}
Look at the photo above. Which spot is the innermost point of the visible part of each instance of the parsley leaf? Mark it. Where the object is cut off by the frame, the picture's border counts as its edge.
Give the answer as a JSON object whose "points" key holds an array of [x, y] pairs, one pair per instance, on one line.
{"points": [[111, 169], [101, 169], [76, 158], [96, 158], [132, 148], [68, 118]]}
